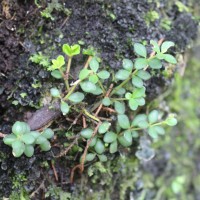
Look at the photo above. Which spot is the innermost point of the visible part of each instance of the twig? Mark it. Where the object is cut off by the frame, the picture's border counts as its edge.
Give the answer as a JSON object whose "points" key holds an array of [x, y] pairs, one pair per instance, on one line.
{"points": [[69, 147], [54, 171], [41, 186], [84, 122], [87, 62], [67, 71], [81, 165], [110, 110], [105, 119], [107, 95]]}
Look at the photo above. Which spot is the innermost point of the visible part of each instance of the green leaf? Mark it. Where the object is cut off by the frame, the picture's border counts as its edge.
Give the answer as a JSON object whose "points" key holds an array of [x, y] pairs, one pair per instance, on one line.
{"points": [[121, 91], [160, 130], [109, 137], [18, 148], [143, 75], [20, 128], [141, 63], [137, 81], [169, 58], [140, 50], [127, 64], [64, 107], [135, 134], [41, 139], [119, 107], [128, 136], [57, 63], [140, 101], [153, 116], [166, 45], [160, 56], [87, 133], [122, 74], [84, 73], [48, 133], [133, 104], [76, 97], [94, 65], [155, 63], [152, 132], [138, 119], [123, 121], [143, 124], [28, 138], [106, 101], [104, 127], [45, 146], [90, 157], [171, 121], [124, 142], [55, 92], [71, 50], [75, 49], [56, 74], [156, 47], [93, 142], [93, 78], [99, 147], [98, 91], [128, 95], [29, 150], [139, 92], [102, 158], [66, 49], [9, 139], [103, 74], [113, 147], [90, 51], [88, 86], [35, 134]]}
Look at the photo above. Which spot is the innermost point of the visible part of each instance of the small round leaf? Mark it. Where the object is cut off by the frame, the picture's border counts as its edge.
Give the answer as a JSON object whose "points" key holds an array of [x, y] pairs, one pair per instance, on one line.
{"points": [[103, 74], [28, 138], [104, 127], [127, 64], [109, 137], [87, 133], [99, 147], [76, 97], [48, 133], [140, 49], [64, 107], [29, 150]]}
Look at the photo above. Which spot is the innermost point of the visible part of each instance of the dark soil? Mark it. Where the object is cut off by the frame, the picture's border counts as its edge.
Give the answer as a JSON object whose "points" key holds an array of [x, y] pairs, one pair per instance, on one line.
{"points": [[23, 32]]}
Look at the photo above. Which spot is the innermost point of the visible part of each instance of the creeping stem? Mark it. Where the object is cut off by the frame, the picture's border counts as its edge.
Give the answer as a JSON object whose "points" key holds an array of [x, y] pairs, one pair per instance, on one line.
{"points": [[71, 90], [123, 83], [67, 71]]}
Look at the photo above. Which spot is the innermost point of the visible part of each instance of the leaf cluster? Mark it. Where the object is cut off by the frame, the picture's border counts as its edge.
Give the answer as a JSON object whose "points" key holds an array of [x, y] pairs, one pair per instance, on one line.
{"points": [[22, 139]]}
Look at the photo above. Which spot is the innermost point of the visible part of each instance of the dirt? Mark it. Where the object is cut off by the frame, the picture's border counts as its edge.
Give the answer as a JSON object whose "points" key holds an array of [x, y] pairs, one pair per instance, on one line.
{"points": [[110, 26]]}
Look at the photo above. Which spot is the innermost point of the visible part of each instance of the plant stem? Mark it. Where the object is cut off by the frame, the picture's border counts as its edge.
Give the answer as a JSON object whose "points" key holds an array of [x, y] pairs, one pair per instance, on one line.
{"points": [[68, 70], [100, 84], [87, 62], [72, 89], [123, 83], [118, 99], [63, 76]]}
